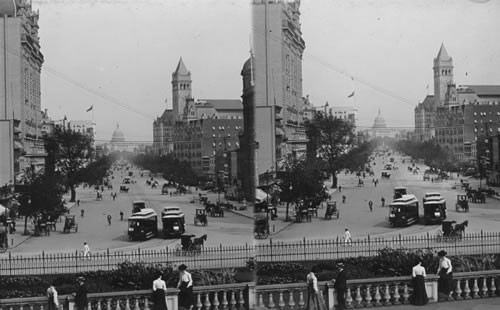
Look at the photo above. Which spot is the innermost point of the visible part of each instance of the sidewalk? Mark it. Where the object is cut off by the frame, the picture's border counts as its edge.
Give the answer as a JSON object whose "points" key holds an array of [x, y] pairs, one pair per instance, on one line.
{"points": [[472, 304]]}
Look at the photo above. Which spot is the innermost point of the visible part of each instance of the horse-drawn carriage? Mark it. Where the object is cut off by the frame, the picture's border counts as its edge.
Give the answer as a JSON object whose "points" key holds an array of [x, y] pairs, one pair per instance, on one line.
{"points": [[385, 175], [462, 203], [331, 211], [124, 189], [214, 210], [200, 217], [451, 232], [261, 227], [190, 246], [70, 224], [475, 196]]}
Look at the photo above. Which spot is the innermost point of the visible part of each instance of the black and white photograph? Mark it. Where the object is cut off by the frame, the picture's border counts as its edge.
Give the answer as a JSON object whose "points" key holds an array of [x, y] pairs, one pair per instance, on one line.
{"points": [[249, 154]]}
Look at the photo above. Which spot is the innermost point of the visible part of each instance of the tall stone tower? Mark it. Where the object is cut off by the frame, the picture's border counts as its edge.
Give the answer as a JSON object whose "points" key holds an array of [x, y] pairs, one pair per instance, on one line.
{"points": [[443, 75], [181, 89]]}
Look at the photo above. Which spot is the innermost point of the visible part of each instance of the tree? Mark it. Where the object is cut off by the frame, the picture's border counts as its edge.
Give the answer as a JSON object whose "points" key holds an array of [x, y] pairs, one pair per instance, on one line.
{"points": [[41, 197], [300, 179], [357, 157], [329, 138], [68, 151]]}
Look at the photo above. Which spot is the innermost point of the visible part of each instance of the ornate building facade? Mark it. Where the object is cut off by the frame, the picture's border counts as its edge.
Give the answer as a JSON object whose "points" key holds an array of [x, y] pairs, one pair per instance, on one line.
{"points": [[20, 67], [197, 131], [278, 48], [457, 117]]}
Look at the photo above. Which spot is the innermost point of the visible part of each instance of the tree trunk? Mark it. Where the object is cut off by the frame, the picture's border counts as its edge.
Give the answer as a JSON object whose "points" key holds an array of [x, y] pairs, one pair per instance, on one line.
{"points": [[26, 225], [334, 179], [73, 193], [287, 218]]}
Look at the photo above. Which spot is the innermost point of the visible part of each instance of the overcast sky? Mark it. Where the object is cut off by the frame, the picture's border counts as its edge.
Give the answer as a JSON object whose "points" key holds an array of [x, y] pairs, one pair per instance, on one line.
{"points": [[390, 45], [118, 55]]}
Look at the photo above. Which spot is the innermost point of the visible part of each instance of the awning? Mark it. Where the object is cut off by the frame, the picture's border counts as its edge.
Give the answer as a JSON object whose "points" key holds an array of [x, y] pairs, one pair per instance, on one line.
{"points": [[2, 209], [260, 195], [18, 145]]}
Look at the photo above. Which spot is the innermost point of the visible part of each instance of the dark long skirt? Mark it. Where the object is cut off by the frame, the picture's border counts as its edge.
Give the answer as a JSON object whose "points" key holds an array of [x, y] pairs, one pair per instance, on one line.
{"points": [[419, 292], [51, 304], [445, 283], [159, 300], [185, 295]]}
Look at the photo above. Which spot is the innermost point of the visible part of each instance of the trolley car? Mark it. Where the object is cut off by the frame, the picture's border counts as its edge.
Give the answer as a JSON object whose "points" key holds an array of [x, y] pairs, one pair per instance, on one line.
{"points": [[173, 222], [404, 211], [143, 225]]}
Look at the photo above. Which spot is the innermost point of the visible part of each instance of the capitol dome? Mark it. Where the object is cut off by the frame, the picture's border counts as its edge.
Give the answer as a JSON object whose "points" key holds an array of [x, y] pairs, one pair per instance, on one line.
{"points": [[117, 135], [379, 122]]}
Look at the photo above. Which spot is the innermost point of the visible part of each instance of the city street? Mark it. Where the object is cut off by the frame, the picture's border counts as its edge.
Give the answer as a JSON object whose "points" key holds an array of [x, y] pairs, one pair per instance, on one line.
{"points": [[355, 213], [232, 229]]}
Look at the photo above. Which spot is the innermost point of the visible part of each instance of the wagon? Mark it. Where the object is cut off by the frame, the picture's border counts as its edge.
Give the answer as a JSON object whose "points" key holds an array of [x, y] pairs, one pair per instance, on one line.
{"points": [[70, 224], [331, 211], [200, 217]]}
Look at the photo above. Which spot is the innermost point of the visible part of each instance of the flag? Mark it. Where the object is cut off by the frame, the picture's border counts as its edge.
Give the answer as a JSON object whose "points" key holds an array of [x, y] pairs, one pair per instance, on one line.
{"points": [[91, 108], [351, 95]]}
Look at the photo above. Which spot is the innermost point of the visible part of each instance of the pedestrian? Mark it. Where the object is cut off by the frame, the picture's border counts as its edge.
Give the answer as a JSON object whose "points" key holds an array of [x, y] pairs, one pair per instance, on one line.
{"points": [[81, 300], [312, 290], [121, 215], [383, 201], [185, 286], [53, 301], [370, 205], [159, 289], [340, 189], [340, 286], [82, 212], [109, 219], [347, 237], [344, 198], [445, 273], [78, 203], [419, 292], [86, 250]]}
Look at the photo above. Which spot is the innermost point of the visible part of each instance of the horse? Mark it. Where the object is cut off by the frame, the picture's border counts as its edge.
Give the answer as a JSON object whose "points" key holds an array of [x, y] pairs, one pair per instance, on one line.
{"points": [[198, 243], [459, 229]]}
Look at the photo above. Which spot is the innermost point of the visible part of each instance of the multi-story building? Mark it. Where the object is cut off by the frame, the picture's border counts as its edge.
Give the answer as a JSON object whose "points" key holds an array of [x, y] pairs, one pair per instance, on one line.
{"points": [[278, 48], [197, 131], [20, 67], [425, 114]]}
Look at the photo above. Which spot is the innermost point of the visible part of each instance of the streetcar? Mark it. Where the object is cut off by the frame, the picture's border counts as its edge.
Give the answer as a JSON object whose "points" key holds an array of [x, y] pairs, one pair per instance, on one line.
{"points": [[143, 225], [404, 211], [138, 205], [399, 192], [434, 210], [173, 222], [431, 195]]}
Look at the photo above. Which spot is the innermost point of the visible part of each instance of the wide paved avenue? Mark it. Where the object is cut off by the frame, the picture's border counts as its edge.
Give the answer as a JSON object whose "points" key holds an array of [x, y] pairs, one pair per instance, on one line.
{"points": [[232, 229]]}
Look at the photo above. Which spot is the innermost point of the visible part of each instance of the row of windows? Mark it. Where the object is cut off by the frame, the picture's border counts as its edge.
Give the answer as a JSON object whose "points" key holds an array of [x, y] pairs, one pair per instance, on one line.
{"points": [[226, 127]]}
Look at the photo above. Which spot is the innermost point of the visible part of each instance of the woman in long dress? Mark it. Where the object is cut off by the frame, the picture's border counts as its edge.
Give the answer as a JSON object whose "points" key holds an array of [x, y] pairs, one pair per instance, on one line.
{"points": [[159, 289], [419, 292], [312, 291], [445, 272], [185, 286], [53, 299]]}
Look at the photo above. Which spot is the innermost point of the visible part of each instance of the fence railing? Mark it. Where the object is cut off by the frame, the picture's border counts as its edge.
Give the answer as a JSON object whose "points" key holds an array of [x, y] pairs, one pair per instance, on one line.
{"points": [[58, 263], [327, 249], [237, 256]]}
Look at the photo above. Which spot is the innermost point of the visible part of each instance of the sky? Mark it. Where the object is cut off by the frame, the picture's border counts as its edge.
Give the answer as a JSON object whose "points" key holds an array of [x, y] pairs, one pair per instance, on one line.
{"points": [[388, 47], [118, 56]]}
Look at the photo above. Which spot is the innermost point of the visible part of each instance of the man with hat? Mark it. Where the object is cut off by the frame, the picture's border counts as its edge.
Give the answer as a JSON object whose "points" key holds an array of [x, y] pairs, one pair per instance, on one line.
{"points": [[81, 294], [340, 286]]}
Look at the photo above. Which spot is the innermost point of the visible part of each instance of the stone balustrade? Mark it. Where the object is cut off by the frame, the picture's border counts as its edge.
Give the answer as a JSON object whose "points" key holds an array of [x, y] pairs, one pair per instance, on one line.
{"points": [[362, 293]]}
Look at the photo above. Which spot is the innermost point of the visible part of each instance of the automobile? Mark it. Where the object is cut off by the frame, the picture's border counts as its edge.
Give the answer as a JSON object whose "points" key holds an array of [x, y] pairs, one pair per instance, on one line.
{"points": [[388, 167]]}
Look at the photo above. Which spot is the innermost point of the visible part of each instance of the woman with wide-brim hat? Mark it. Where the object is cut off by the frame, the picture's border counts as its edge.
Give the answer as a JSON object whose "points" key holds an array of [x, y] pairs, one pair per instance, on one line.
{"points": [[185, 286], [445, 272]]}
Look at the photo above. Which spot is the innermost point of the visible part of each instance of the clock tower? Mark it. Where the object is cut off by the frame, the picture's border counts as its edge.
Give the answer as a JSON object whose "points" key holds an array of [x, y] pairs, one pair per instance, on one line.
{"points": [[181, 89], [443, 75]]}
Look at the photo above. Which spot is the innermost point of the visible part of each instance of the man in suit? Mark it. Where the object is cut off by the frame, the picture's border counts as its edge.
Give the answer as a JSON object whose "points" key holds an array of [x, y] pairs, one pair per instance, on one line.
{"points": [[81, 301], [340, 286]]}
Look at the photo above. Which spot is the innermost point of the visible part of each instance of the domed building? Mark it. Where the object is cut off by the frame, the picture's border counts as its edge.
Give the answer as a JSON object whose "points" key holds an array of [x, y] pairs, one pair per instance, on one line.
{"points": [[379, 128], [117, 142]]}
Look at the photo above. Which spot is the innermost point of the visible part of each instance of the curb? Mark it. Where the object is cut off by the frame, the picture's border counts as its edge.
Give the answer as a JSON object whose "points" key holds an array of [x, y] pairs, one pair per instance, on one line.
{"points": [[240, 214]]}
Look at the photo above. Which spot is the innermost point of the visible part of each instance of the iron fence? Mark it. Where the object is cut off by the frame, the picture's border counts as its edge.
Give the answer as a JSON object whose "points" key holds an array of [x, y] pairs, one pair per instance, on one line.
{"points": [[65, 263], [330, 249], [237, 256]]}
